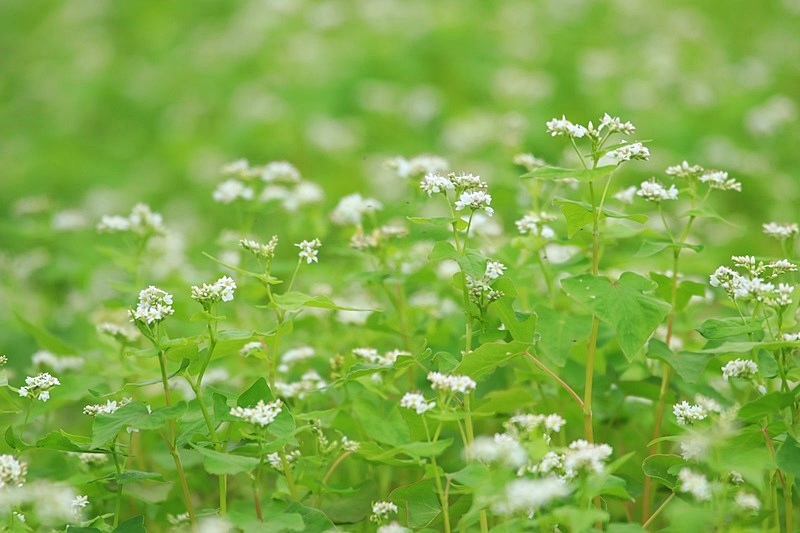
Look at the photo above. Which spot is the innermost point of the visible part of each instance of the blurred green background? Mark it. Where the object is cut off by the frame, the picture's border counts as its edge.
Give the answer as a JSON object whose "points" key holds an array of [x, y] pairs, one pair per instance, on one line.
{"points": [[103, 104]]}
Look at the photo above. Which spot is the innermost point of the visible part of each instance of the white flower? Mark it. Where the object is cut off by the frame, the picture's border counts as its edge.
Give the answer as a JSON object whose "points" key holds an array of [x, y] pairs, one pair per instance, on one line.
{"points": [[781, 231], [59, 364], [527, 495], [532, 223], [436, 183], [709, 404], [565, 127], [747, 501], [718, 179], [465, 181], [12, 471], [222, 289], [79, 503], [695, 484], [308, 250], [105, 409], [529, 161], [684, 170], [419, 165], [350, 445], [452, 382], [142, 221], [231, 190], [687, 414], [584, 455], [240, 167], [694, 448], [260, 415], [503, 449], [113, 223], [154, 305], [630, 152], [251, 348], [352, 208], [613, 124], [494, 269], [416, 401], [263, 251], [382, 510], [477, 199], [118, 332], [280, 171], [393, 527], [626, 195], [294, 355], [38, 387], [739, 368], [654, 191]]}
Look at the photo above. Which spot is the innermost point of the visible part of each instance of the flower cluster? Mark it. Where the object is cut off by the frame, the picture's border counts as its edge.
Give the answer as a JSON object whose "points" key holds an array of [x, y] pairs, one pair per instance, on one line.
{"points": [[475, 200], [351, 209], [59, 364], [502, 448], [309, 250], [261, 415], [417, 166], [105, 409], [525, 424], [630, 152], [534, 224], [38, 387], [122, 334], [142, 221], [382, 510], [231, 190], [417, 402], [653, 191], [222, 289], [12, 471], [451, 382], [529, 161], [363, 241], [687, 414], [480, 287], [527, 495], [470, 190], [579, 457], [282, 181], [276, 461], [756, 283], [739, 368], [371, 355], [781, 231], [695, 484], [309, 382], [716, 179], [261, 251], [154, 305]]}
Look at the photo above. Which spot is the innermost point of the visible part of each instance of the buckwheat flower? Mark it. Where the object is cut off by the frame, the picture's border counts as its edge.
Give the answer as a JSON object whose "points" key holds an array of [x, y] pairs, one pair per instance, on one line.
{"points": [[582, 455], [350, 445], [382, 510], [781, 266], [782, 296], [154, 305], [685, 170], [113, 224], [393, 527], [3, 360], [178, 519], [451, 382], [475, 200], [301, 353], [251, 348], [309, 382], [687, 414], [416, 401], [709, 404], [38, 387], [222, 289], [781, 231], [465, 180], [529, 161], [12, 471], [494, 269], [263, 251], [695, 447], [275, 461], [503, 449], [280, 171], [105, 409], [436, 183], [351, 209], [92, 459], [261, 415], [145, 222], [614, 125], [653, 191], [419, 165], [533, 224], [695, 484], [120, 333], [528, 495], [718, 179], [747, 501], [792, 337], [240, 166], [59, 364], [557, 127], [629, 152], [739, 368], [19, 516], [625, 196], [231, 190], [308, 250], [79, 503]]}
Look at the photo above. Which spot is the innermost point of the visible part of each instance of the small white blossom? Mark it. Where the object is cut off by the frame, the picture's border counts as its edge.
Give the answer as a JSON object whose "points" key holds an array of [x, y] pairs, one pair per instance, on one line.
{"points": [[142, 221], [38, 387], [79, 503], [436, 183], [747, 501], [695, 448], [630, 152], [113, 223], [309, 250], [451, 382], [529, 161], [494, 269], [392, 527], [121, 333], [231, 190], [781, 231], [503, 449], [583, 455], [280, 171], [105, 409], [654, 191], [614, 125], [382, 510], [154, 305], [684, 170], [260, 415], [93, 458], [350, 445], [416, 401], [527, 495], [275, 461], [301, 353], [238, 167], [352, 208], [477, 199], [695, 484], [718, 179], [222, 289], [59, 364], [562, 126], [12, 471], [687, 414], [626, 195], [739, 368], [466, 181], [417, 166], [263, 251], [709, 404], [533, 224], [251, 348]]}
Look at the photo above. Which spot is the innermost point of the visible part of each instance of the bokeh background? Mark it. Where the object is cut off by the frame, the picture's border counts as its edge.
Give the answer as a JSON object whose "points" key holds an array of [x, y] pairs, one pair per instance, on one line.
{"points": [[103, 104]]}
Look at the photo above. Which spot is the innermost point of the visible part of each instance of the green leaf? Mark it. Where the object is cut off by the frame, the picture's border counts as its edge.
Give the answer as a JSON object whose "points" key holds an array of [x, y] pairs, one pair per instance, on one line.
{"points": [[622, 304], [688, 365], [131, 476], [12, 440], [649, 248], [706, 212], [485, 359], [380, 418], [419, 501], [660, 468], [606, 486], [45, 339], [291, 301], [683, 292], [788, 457], [132, 525], [579, 214], [219, 464], [556, 173], [159, 417], [579, 519], [765, 406], [717, 329], [61, 440], [522, 326], [259, 390], [472, 262], [434, 221], [106, 427], [560, 332]]}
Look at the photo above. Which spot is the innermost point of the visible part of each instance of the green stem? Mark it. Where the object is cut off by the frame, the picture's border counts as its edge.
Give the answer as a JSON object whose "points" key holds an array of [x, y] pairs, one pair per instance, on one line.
{"points": [[118, 499], [658, 511], [443, 500], [287, 472], [553, 375]]}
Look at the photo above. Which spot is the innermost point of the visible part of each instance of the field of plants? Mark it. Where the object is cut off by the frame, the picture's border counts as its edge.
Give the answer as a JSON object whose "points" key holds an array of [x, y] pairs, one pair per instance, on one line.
{"points": [[400, 266]]}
